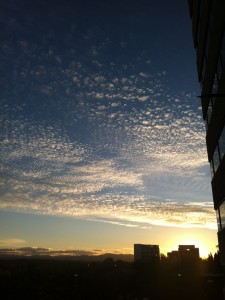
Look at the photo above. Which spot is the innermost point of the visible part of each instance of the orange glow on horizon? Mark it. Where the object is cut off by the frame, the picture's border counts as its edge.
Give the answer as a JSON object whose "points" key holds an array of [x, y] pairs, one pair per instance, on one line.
{"points": [[205, 247]]}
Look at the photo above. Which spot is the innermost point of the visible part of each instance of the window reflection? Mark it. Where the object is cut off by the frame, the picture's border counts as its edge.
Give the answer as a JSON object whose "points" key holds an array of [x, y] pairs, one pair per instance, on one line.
{"points": [[222, 51], [218, 153], [209, 111], [212, 168], [222, 143], [222, 215], [218, 219], [215, 84], [216, 159]]}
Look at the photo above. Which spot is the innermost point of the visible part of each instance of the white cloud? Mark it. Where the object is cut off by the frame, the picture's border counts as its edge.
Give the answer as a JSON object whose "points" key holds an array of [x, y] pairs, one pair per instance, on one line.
{"points": [[100, 136], [145, 75], [13, 242], [131, 211], [143, 98], [119, 138], [99, 78]]}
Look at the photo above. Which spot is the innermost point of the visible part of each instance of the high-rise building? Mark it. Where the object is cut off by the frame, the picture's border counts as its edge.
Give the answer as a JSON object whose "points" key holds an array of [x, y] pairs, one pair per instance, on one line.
{"points": [[185, 253], [208, 27], [188, 253], [146, 253]]}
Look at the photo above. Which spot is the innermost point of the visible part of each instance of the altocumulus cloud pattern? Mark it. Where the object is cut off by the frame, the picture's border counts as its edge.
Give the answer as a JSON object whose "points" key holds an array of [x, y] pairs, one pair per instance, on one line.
{"points": [[91, 128]]}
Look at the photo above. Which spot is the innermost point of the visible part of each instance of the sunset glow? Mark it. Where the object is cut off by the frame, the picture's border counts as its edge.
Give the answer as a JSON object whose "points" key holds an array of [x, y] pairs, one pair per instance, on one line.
{"points": [[102, 139]]}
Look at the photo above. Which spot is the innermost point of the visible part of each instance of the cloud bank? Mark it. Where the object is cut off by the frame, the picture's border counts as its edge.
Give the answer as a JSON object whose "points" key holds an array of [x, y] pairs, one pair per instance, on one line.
{"points": [[94, 135]]}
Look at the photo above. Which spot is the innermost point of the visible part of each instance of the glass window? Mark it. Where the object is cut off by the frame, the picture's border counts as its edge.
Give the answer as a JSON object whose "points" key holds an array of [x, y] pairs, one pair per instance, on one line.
{"points": [[216, 159], [222, 215], [212, 168], [207, 43], [209, 111], [222, 50], [203, 70], [218, 219], [222, 143], [215, 84], [213, 4], [206, 123], [219, 67], [213, 100]]}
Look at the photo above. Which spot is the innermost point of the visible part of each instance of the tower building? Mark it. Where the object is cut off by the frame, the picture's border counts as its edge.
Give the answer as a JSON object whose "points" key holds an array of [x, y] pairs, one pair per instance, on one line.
{"points": [[185, 253], [208, 29], [146, 253]]}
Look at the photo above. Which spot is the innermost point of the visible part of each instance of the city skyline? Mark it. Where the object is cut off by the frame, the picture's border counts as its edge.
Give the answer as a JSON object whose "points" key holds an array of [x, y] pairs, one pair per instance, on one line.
{"points": [[103, 142], [140, 251]]}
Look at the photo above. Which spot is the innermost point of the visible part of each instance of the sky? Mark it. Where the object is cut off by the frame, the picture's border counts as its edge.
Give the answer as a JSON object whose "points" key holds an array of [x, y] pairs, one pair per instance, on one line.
{"points": [[102, 137]]}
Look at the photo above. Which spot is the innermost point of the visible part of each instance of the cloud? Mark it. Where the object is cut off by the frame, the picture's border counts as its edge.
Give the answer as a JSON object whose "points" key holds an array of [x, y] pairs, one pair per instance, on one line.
{"points": [[147, 152], [145, 75], [118, 209], [119, 222], [143, 98], [34, 251], [103, 140], [13, 242]]}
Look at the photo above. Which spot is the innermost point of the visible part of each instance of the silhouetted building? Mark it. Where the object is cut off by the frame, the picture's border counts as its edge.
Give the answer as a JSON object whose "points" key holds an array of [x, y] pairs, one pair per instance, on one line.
{"points": [[173, 256], [185, 253], [188, 253], [208, 26], [146, 253]]}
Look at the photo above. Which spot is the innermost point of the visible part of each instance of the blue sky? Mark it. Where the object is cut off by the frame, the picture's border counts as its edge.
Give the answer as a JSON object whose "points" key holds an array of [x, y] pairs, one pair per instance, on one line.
{"points": [[101, 126]]}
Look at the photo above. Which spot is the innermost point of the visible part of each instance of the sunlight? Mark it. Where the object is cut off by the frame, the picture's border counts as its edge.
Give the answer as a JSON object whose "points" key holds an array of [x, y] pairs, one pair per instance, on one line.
{"points": [[204, 246]]}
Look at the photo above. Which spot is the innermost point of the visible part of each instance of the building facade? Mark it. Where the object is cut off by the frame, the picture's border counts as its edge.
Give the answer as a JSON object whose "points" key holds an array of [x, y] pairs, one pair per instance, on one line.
{"points": [[208, 29], [188, 253], [146, 253], [185, 254]]}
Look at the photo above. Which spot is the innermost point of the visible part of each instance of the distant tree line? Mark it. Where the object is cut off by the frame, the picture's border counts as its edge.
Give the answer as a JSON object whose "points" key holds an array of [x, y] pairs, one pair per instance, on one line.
{"points": [[110, 279]]}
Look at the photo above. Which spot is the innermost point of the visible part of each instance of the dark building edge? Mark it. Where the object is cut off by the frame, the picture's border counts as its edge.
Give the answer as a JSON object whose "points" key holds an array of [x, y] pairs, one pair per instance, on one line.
{"points": [[208, 30]]}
